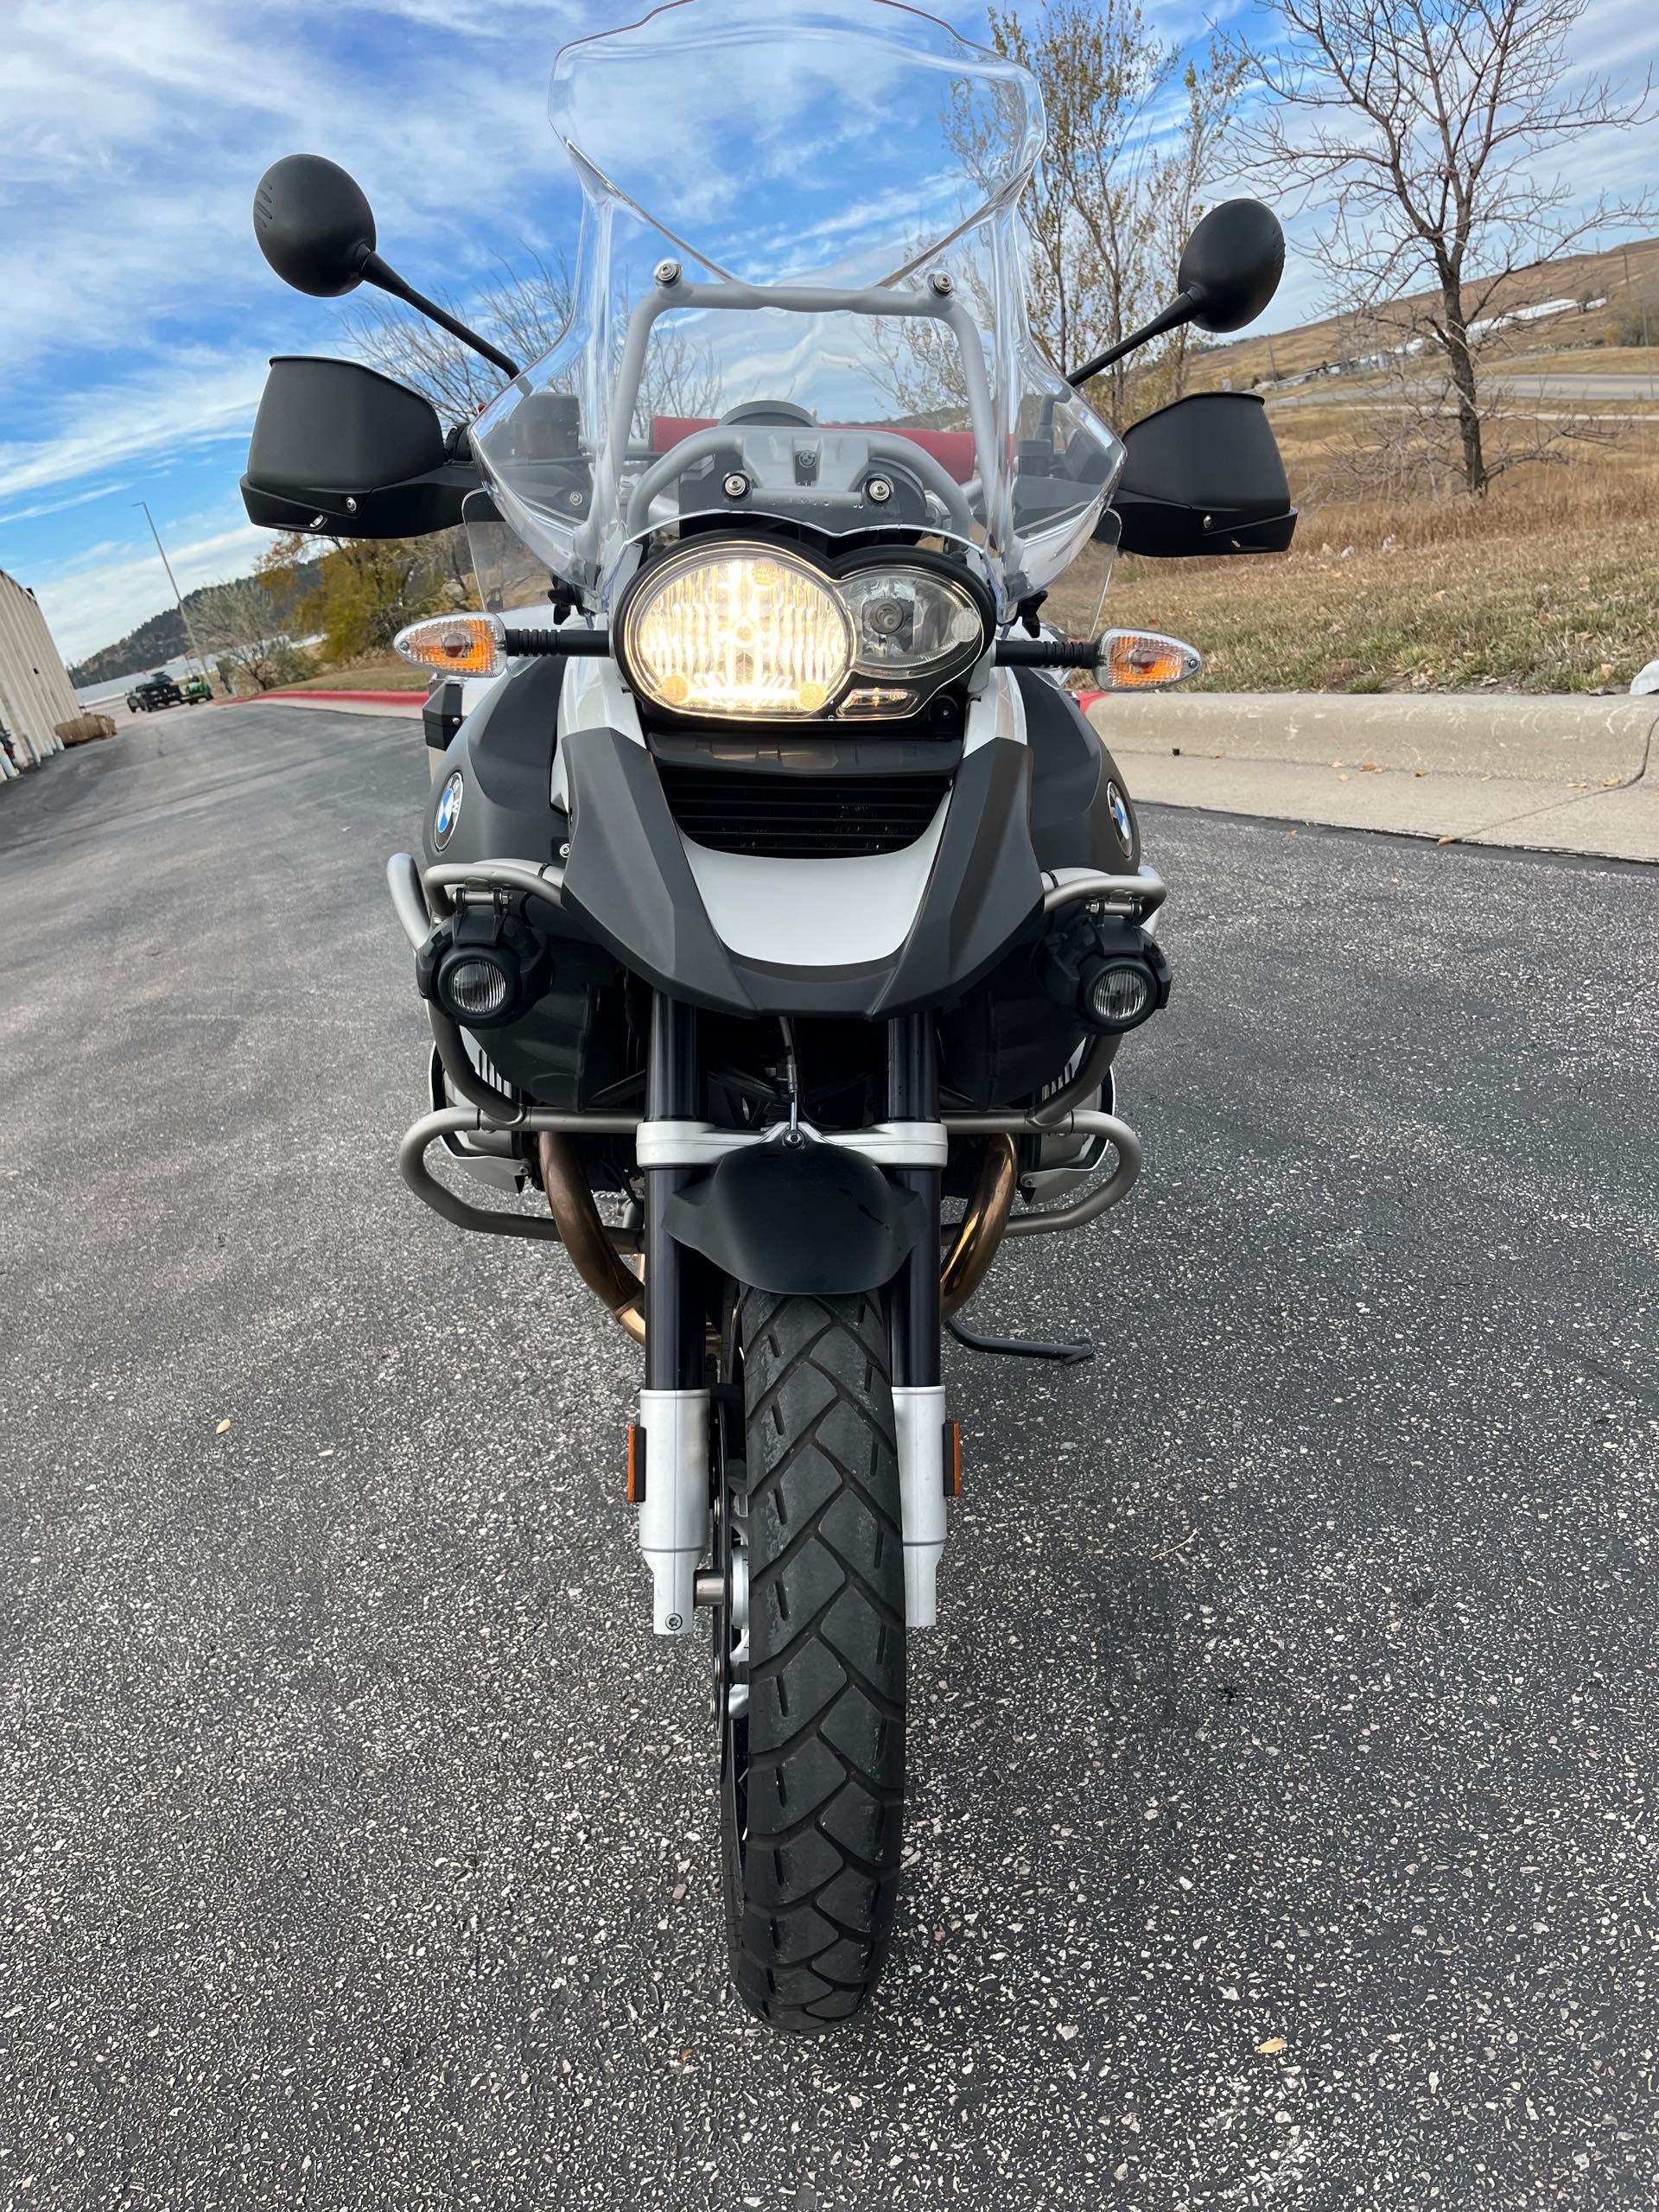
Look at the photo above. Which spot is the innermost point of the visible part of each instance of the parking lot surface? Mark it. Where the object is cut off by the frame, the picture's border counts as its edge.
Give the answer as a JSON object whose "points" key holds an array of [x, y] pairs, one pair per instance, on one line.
{"points": [[1283, 1826]]}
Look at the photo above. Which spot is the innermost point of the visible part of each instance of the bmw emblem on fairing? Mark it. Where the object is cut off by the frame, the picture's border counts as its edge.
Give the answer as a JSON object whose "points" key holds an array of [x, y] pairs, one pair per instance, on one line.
{"points": [[1120, 814], [449, 813]]}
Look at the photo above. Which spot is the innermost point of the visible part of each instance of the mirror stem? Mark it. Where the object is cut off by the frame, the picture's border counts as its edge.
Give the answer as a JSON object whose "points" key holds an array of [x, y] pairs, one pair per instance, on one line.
{"points": [[1181, 309], [380, 273]]}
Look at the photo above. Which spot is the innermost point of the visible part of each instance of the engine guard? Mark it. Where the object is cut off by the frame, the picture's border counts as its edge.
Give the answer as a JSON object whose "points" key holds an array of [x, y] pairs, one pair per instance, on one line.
{"points": [[809, 1220]]}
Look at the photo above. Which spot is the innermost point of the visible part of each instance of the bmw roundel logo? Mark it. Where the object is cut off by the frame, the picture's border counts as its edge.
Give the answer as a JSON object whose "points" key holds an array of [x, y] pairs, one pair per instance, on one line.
{"points": [[1120, 814], [449, 813]]}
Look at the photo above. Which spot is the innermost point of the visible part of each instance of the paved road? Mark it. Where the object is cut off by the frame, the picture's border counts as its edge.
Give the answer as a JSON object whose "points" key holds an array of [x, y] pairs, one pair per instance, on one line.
{"points": [[1554, 384], [357, 1845]]}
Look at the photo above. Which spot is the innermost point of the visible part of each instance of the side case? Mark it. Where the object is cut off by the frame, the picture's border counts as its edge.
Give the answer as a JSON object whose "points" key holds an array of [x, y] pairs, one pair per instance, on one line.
{"points": [[1204, 475]]}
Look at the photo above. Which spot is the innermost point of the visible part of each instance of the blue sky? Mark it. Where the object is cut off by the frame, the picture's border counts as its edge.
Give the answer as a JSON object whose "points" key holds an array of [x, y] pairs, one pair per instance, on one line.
{"points": [[139, 315]]}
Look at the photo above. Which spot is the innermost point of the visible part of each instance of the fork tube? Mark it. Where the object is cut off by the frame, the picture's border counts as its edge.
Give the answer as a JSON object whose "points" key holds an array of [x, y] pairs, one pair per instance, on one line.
{"points": [[674, 1404], [917, 1394], [674, 1332], [913, 1096]]}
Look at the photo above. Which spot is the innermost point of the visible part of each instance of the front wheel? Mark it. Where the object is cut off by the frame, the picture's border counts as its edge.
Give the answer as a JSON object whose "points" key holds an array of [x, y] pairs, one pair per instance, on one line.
{"points": [[813, 1696]]}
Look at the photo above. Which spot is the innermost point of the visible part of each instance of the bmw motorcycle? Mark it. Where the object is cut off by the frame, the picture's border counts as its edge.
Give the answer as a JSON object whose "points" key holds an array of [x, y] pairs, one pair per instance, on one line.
{"points": [[779, 912]]}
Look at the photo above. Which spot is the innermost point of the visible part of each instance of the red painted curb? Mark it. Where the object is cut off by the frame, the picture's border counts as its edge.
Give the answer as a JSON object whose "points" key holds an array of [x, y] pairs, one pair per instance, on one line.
{"points": [[368, 698]]}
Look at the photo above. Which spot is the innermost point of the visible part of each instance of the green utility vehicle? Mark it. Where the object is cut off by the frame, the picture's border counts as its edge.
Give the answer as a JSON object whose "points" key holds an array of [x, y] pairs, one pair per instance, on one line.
{"points": [[160, 690]]}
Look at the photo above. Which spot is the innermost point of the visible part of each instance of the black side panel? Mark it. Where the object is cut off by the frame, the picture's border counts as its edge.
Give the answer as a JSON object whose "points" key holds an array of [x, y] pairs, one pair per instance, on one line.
{"points": [[505, 753], [985, 888], [628, 879], [333, 438], [562, 1048], [1072, 819], [813, 1223], [1204, 476]]}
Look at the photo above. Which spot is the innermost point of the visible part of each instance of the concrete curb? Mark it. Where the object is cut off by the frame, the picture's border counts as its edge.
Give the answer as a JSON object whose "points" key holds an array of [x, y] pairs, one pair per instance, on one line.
{"points": [[1557, 774]]}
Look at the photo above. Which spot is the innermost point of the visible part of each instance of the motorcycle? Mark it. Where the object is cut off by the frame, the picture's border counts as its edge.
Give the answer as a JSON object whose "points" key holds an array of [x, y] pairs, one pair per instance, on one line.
{"points": [[780, 913]]}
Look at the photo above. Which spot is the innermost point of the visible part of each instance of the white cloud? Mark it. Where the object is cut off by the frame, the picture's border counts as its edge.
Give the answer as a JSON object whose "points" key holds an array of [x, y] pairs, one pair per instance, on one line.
{"points": [[132, 133], [195, 397], [109, 588]]}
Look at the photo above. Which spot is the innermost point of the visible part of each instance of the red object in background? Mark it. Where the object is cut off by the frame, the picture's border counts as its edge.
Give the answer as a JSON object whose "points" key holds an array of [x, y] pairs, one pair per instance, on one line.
{"points": [[952, 449], [360, 698]]}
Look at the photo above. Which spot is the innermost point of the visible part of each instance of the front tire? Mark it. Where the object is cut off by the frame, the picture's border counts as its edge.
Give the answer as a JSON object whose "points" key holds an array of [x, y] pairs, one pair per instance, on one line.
{"points": [[813, 1766]]}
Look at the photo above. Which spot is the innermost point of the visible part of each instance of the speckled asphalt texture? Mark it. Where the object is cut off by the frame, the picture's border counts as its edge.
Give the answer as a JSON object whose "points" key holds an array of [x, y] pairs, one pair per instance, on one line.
{"points": [[1284, 1823]]}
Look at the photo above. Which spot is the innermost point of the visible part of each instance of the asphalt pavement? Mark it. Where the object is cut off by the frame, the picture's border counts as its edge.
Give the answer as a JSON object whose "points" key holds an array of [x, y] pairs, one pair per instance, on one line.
{"points": [[1283, 1825]]}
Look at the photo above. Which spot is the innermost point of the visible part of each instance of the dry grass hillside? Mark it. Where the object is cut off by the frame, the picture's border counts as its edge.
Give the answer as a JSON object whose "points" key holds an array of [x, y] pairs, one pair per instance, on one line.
{"points": [[1550, 583]]}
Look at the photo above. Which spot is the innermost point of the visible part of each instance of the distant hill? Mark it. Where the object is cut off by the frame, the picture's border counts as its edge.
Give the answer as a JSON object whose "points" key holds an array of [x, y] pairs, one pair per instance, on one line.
{"points": [[161, 637], [1603, 275]]}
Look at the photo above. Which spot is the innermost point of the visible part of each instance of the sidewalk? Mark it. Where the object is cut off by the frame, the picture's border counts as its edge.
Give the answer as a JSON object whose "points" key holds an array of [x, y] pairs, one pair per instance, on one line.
{"points": [[1569, 774]]}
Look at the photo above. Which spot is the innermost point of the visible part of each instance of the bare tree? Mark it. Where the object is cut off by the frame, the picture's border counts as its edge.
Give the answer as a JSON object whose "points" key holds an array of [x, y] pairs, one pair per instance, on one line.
{"points": [[1133, 140], [239, 626], [524, 312], [1430, 132], [1210, 89]]}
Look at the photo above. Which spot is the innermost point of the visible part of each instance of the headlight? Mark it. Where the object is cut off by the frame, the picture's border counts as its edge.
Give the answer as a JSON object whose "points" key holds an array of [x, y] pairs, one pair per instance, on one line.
{"points": [[909, 620], [746, 631], [756, 630]]}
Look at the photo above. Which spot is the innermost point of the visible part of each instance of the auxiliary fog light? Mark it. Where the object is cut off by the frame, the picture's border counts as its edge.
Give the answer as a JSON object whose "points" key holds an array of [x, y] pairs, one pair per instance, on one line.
{"points": [[486, 967], [1118, 994], [1122, 977], [477, 988]]}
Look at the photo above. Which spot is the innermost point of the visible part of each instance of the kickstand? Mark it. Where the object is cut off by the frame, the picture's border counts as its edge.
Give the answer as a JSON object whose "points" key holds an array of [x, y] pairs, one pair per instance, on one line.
{"points": [[1073, 1354]]}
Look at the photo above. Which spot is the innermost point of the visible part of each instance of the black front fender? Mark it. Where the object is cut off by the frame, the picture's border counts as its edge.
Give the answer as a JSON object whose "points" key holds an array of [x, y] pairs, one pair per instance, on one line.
{"points": [[812, 1221]]}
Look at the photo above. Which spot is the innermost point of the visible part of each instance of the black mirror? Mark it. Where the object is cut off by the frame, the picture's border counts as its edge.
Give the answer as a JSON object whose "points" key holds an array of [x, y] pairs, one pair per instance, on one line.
{"points": [[1229, 270], [316, 227], [313, 225], [1231, 265]]}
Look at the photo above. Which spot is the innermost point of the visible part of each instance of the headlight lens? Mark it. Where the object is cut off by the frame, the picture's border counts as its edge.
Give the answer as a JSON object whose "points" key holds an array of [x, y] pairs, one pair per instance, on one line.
{"points": [[744, 631], [908, 621], [759, 632]]}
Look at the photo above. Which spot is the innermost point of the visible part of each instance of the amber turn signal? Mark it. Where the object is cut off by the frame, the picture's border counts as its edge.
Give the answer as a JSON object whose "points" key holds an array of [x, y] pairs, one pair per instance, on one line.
{"points": [[1143, 660], [457, 644]]}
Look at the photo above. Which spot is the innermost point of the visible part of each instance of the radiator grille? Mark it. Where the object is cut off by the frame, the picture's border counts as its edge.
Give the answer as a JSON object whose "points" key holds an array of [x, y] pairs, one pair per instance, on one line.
{"points": [[801, 817]]}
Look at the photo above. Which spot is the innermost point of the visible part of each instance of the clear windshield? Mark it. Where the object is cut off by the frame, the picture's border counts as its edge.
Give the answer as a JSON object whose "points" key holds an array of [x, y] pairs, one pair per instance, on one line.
{"points": [[800, 297]]}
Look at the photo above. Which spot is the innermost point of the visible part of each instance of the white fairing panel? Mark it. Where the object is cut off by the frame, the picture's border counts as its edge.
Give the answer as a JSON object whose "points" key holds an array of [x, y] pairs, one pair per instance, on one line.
{"points": [[813, 914], [997, 711], [795, 913], [817, 914]]}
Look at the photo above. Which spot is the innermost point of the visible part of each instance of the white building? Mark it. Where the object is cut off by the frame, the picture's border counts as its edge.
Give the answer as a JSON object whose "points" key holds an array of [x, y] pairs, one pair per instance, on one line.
{"points": [[35, 694]]}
